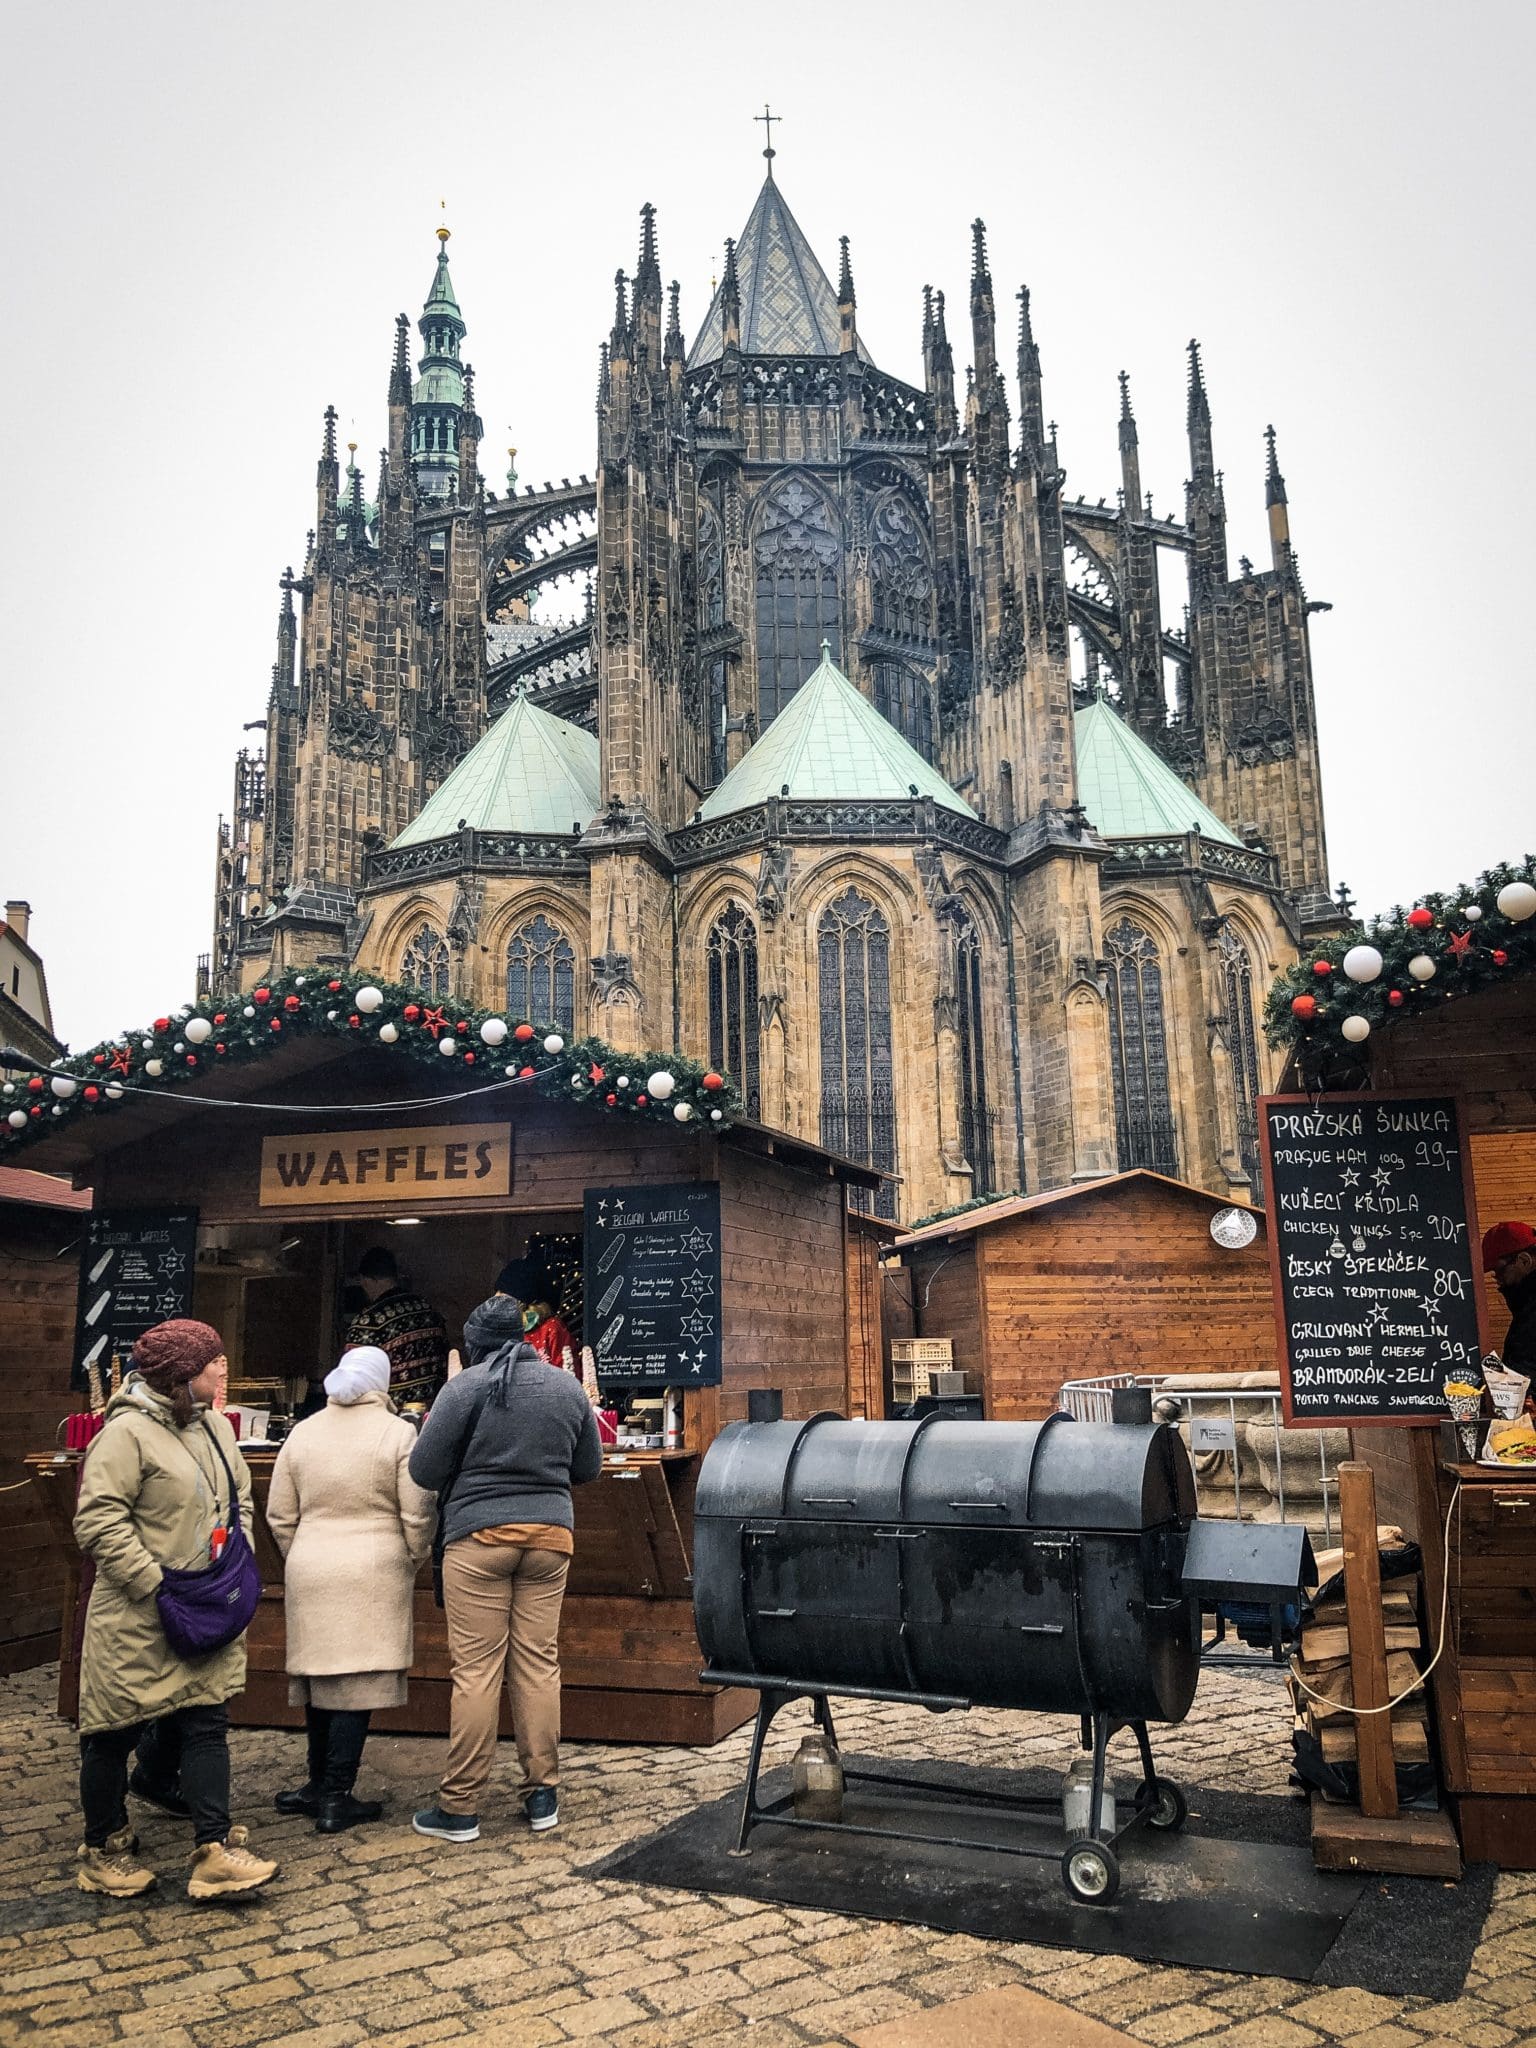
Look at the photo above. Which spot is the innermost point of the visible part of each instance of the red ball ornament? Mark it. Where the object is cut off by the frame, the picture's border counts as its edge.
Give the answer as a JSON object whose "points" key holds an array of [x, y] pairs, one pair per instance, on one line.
{"points": [[191, 1059], [35, 1085], [221, 1048], [261, 995], [1395, 998], [412, 1013], [640, 1101], [461, 1027], [354, 1023], [162, 1023], [221, 1018], [525, 1073], [1304, 1007], [523, 1033], [277, 1024], [712, 1081], [291, 1003], [333, 986], [98, 1059], [36, 1110], [1499, 957], [469, 1059], [1421, 919], [93, 1094], [610, 1100], [1322, 967]]}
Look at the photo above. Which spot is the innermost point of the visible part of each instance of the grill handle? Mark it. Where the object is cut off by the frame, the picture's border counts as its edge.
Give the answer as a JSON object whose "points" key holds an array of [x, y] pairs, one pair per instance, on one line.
{"points": [[992, 1507], [826, 1500]]}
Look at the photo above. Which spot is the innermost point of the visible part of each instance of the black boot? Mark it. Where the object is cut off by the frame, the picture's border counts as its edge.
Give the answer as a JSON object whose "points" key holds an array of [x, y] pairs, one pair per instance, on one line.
{"points": [[305, 1798], [344, 1752]]}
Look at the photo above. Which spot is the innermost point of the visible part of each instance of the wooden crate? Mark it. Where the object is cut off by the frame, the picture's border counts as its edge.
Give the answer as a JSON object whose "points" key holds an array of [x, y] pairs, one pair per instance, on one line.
{"points": [[923, 1351]]}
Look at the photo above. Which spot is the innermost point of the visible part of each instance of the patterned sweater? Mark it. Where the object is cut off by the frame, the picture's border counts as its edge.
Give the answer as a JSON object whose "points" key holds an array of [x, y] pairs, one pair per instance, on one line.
{"points": [[415, 1337]]}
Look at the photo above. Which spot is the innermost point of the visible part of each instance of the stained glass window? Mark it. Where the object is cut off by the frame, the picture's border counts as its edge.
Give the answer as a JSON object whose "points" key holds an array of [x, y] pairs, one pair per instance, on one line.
{"points": [[424, 963], [1243, 1046], [903, 696], [733, 1014], [1138, 1043], [975, 1115], [541, 975], [858, 1105], [796, 557]]}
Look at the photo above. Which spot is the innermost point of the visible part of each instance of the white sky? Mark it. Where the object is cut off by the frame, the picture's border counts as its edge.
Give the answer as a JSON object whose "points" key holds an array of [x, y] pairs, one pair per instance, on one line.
{"points": [[218, 209]]}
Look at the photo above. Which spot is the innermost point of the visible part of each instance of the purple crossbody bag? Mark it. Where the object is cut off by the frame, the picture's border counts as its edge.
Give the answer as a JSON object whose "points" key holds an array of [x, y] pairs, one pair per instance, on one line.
{"points": [[203, 1609]]}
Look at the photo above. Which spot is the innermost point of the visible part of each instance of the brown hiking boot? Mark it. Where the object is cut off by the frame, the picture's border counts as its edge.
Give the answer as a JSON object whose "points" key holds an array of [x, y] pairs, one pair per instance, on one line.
{"points": [[114, 1868], [221, 1868]]}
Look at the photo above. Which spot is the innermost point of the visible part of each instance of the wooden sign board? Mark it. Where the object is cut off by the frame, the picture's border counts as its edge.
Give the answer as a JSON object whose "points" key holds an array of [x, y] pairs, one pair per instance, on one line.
{"points": [[651, 1284], [391, 1169], [1373, 1246], [136, 1269]]}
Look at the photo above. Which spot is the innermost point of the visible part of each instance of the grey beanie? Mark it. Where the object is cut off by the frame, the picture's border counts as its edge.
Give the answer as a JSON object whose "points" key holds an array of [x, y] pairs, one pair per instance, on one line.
{"points": [[492, 1326]]}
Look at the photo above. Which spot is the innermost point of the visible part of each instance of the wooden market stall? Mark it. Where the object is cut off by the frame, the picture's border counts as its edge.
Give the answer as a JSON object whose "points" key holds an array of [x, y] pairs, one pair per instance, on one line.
{"points": [[1108, 1276], [274, 1248]]}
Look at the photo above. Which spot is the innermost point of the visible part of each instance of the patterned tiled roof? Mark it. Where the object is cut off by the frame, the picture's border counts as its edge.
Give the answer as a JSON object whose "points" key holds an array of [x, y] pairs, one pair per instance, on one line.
{"points": [[788, 305], [831, 742], [532, 772], [1129, 791]]}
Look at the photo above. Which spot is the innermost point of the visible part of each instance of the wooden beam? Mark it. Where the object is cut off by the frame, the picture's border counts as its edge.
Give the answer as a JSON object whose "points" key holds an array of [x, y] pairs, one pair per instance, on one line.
{"points": [[1367, 1640]]}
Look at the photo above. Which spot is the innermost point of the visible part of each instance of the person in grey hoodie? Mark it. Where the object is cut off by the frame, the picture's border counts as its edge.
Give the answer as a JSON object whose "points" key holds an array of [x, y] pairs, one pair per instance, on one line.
{"points": [[505, 1442]]}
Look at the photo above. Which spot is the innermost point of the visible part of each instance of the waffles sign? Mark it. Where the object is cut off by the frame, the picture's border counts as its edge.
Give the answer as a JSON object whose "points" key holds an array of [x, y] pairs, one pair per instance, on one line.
{"points": [[388, 1169]]}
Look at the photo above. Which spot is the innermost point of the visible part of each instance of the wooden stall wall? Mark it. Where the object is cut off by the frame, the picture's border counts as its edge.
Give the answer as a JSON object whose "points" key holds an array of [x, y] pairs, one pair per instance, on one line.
{"points": [[784, 1280], [946, 1302], [38, 1274], [1127, 1280], [866, 1240]]}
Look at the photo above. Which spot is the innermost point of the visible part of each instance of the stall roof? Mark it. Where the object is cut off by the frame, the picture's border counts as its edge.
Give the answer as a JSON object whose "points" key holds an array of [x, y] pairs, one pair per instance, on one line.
{"points": [[983, 1217], [40, 1190]]}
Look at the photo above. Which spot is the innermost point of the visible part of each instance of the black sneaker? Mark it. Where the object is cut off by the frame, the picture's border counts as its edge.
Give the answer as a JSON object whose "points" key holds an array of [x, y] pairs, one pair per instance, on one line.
{"points": [[340, 1811], [447, 1827], [542, 1807], [167, 1800], [302, 1799]]}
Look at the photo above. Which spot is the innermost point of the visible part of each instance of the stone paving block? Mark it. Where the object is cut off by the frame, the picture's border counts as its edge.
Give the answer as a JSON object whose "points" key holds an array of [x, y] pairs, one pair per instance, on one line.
{"points": [[1271, 2032], [1176, 2024], [366, 1969]]}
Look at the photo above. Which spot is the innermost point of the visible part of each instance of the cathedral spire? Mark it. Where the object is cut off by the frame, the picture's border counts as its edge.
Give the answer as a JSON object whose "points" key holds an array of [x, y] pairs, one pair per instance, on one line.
{"points": [[645, 300], [1202, 458], [730, 300], [618, 340], [1275, 500], [983, 313], [847, 303], [470, 430], [1274, 482], [327, 482], [1130, 455], [673, 347], [400, 401], [1031, 392], [438, 396]]}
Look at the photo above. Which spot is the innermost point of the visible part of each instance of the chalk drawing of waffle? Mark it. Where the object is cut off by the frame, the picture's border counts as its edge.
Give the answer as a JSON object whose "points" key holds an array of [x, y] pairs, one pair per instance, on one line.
{"points": [[93, 1313], [611, 1294], [614, 1246], [100, 1267], [610, 1337]]}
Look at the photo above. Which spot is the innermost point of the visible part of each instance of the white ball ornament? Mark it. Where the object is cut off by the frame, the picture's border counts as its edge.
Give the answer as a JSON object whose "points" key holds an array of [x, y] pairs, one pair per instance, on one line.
{"points": [[63, 1085], [149, 1044], [180, 1046], [368, 999], [1362, 963], [7, 1087], [58, 1109], [332, 1015], [1517, 900], [114, 1091], [248, 1011], [17, 1119], [660, 1085], [494, 1030], [199, 1030], [622, 1082], [1472, 912], [717, 1116], [299, 980], [447, 1047], [576, 1080], [554, 1043], [682, 1111], [154, 1069], [1356, 1029], [1421, 967], [388, 1033]]}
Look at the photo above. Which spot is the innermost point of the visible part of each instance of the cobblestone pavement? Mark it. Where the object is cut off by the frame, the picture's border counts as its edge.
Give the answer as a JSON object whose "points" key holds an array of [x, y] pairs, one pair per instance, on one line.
{"points": [[379, 1936]]}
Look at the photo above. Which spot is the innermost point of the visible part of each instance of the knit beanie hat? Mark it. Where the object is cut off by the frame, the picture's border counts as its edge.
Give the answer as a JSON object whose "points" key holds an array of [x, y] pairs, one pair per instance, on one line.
{"points": [[172, 1353], [526, 1280], [492, 1326]]}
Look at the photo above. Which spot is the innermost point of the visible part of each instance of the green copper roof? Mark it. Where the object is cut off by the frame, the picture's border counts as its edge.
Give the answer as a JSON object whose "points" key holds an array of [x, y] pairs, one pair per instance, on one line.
{"points": [[1129, 791], [788, 305], [830, 741], [441, 297], [532, 772]]}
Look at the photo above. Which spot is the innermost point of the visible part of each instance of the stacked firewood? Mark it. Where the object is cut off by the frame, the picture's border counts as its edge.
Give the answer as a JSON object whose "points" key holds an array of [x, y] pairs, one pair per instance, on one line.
{"points": [[1321, 1663]]}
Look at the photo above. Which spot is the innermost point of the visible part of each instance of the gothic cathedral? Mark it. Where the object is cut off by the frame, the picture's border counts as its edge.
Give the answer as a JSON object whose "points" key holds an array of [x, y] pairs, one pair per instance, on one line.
{"points": [[869, 770]]}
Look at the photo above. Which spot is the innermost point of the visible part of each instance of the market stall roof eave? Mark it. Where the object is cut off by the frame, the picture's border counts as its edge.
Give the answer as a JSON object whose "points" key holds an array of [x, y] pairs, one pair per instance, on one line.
{"points": [[984, 1215], [74, 1148]]}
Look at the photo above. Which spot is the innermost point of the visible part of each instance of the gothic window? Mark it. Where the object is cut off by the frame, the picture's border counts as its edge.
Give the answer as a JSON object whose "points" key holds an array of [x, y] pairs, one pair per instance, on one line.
{"points": [[711, 555], [902, 696], [733, 1016], [975, 1115], [424, 963], [858, 1105], [1243, 1047], [1138, 1043], [541, 975], [796, 557], [903, 581]]}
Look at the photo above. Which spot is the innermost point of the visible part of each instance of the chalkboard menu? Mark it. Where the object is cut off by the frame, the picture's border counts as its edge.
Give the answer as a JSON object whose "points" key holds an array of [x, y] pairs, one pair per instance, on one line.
{"points": [[651, 1282], [136, 1269], [1374, 1253]]}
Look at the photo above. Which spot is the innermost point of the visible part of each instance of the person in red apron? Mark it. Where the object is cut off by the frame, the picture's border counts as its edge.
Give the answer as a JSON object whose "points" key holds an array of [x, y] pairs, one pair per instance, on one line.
{"points": [[525, 1280]]}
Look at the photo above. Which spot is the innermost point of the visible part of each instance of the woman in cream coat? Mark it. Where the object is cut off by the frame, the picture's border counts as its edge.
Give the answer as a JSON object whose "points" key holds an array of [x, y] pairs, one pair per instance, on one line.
{"points": [[352, 1526]]}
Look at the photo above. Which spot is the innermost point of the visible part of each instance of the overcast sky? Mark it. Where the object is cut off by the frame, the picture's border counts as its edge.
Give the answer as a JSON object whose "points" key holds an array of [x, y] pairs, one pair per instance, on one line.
{"points": [[217, 210]]}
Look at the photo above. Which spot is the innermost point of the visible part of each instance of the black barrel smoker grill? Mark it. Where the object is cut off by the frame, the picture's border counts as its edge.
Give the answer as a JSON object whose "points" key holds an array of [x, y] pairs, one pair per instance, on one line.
{"points": [[1043, 1566]]}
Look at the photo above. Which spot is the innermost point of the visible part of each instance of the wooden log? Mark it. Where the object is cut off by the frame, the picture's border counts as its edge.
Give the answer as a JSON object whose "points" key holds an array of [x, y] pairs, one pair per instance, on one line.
{"points": [[1367, 1640]]}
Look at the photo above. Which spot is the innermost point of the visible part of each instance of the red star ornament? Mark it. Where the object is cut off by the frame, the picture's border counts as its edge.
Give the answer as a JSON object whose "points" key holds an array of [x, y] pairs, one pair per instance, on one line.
{"points": [[596, 1074], [1461, 944], [122, 1061], [435, 1021]]}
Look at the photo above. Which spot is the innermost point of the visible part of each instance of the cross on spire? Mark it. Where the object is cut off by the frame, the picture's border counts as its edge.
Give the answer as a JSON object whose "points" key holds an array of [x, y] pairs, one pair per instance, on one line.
{"points": [[768, 120]]}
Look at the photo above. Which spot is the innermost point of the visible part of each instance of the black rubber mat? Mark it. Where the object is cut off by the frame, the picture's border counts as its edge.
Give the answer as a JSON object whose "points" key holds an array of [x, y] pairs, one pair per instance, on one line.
{"points": [[1235, 1890]]}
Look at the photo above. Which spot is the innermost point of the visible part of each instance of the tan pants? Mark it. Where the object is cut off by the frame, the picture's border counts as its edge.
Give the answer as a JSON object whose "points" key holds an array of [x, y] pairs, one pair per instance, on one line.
{"points": [[503, 1608]]}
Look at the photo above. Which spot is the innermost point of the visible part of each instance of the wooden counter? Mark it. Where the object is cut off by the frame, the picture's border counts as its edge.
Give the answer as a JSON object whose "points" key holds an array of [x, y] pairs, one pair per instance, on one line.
{"points": [[1485, 1683], [628, 1653]]}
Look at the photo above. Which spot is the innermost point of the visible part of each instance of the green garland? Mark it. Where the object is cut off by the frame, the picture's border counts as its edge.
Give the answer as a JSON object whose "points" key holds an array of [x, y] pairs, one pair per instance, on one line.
{"points": [[1468, 952], [472, 1048]]}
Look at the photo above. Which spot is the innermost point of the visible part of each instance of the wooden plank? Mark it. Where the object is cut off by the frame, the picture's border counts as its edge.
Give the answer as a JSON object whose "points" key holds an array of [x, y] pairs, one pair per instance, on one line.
{"points": [[1499, 1830], [1367, 1646], [1407, 1845]]}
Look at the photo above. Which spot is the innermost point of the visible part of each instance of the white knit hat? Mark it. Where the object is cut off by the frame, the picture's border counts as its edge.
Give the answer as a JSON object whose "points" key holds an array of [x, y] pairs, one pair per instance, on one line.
{"points": [[362, 1370]]}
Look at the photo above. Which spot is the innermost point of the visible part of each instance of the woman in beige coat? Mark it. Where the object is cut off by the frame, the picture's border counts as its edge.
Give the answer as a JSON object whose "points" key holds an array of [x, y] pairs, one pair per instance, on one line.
{"points": [[352, 1526]]}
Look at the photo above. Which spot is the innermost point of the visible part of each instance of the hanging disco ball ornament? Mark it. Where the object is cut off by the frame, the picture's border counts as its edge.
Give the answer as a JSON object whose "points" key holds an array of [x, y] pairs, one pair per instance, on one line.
{"points": [[1234, 1228]]}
